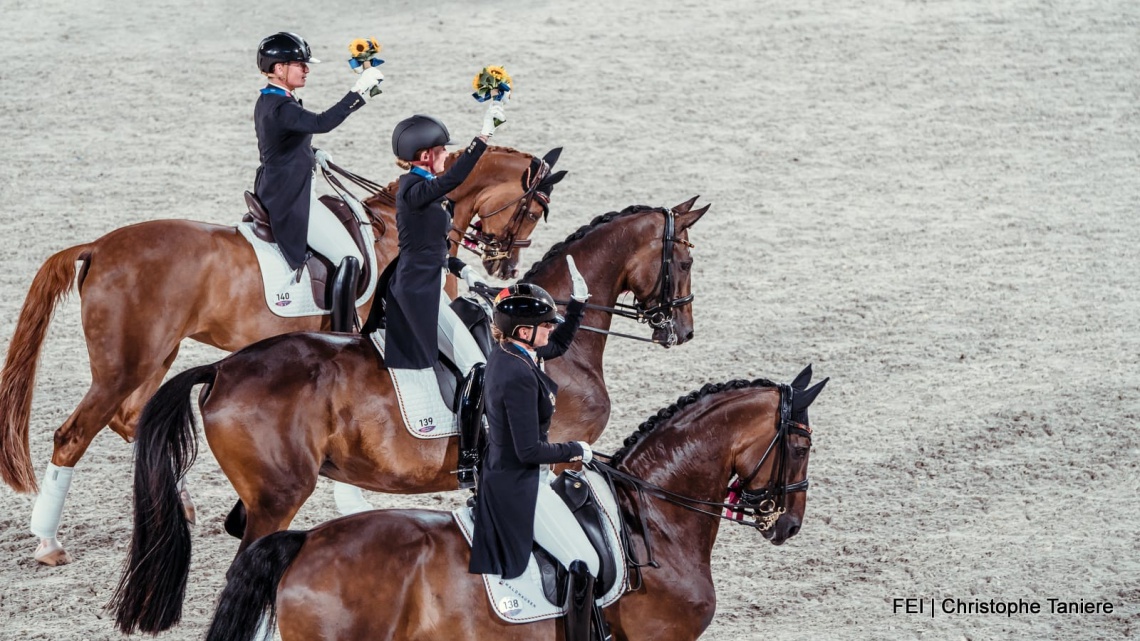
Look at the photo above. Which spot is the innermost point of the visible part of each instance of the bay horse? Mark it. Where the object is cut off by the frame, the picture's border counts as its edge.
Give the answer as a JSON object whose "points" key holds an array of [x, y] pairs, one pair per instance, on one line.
{"points": [[402, 574], [147, 286], [288, 409]]}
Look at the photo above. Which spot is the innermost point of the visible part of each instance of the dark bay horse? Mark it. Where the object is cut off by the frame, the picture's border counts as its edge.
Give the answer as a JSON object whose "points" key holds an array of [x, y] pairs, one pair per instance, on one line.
{"points": [[283, 411], [147, 286], [402, 574]]}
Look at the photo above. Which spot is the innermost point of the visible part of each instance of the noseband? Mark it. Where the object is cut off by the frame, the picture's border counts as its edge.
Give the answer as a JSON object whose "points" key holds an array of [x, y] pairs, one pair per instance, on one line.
{"points": [[491, 247], [659, 316]]}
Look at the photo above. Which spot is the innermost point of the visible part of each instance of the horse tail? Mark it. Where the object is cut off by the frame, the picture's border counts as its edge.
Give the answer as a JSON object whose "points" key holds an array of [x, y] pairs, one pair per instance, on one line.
{"points": [[52, 283], [150, 592], [251, 586]]}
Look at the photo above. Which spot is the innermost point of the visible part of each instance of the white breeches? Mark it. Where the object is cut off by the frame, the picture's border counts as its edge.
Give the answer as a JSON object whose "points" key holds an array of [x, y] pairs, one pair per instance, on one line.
{"points": [[557, 531], [327, 235], [454, 339]]}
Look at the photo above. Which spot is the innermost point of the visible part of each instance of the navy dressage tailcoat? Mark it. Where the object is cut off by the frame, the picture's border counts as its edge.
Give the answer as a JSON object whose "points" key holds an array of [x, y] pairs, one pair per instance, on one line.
{"points": [[519, 401], [412, 303], [284, 179]]}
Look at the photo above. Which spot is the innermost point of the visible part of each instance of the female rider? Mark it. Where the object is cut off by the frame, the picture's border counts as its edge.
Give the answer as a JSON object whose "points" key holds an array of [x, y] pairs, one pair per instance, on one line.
{"points": [[516, 507], [284, 181], [420, 321]]}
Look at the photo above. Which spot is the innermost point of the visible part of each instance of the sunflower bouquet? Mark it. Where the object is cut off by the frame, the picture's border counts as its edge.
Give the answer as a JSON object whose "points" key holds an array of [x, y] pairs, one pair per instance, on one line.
{"points": [[362, 55], [492, 83]]}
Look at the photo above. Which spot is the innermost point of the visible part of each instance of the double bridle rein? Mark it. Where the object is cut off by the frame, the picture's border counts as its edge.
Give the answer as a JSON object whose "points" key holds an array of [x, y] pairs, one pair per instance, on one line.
{"points": [[660, 316], [492, 247], [764, 505]]}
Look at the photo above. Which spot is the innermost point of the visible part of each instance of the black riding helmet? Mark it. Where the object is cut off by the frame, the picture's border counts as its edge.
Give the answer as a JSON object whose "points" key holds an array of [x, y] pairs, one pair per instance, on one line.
{"points": [[416, 133], [524, 305], [282, 47]]}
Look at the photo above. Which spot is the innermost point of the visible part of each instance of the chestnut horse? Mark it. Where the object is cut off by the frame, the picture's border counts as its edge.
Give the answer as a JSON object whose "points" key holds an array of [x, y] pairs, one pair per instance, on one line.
{"points": [[146, 287], [284, 411], [402, 574]]}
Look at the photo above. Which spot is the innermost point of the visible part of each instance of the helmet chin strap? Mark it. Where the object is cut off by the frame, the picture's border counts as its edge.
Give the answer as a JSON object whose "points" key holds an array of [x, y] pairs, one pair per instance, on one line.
{"points": [[533, 334]]}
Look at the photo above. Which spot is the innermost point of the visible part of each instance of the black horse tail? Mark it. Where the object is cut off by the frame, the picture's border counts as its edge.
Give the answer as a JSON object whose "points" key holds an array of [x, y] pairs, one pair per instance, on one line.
{"points": [[150, 592], [251, 586]]}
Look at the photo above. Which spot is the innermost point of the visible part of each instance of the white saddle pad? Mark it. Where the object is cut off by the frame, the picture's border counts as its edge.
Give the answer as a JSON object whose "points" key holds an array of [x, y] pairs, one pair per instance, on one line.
{"points": [[521, 600], [284, 295], [425, 414]]}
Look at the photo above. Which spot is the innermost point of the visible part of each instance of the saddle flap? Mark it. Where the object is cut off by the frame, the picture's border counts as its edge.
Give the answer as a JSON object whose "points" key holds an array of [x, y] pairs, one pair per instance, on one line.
{"points": [[573, 489], [476, 318], [555, 578], [576, 492], [355, 229]]}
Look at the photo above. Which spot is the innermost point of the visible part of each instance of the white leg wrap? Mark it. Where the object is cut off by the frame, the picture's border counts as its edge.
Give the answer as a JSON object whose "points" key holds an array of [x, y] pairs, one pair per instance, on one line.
{"points": [[349, 499], [48, 509]]}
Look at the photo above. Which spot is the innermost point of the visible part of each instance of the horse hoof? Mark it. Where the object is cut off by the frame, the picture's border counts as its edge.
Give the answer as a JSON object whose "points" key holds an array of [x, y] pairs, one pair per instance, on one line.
{"points": [[188, 508], [51, 552]]}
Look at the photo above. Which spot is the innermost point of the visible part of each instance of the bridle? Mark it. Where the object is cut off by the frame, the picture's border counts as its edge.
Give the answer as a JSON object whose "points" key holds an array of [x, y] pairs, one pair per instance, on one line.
{"points": [[660, 316], [763, 505], [767, 504], [492, 247]]}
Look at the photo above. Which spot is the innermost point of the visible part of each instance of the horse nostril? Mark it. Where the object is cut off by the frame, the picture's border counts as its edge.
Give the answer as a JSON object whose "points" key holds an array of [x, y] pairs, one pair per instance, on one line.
{"points": [[689, 336], [793, 530]]}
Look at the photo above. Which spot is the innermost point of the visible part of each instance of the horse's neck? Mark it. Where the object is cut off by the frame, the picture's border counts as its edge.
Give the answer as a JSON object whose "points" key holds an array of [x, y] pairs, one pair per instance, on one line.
{"points": [[606, 280], [668, 458]]}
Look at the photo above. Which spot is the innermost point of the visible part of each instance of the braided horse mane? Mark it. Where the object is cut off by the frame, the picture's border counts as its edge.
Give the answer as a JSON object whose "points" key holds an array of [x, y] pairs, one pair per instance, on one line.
{"points": [[582, 231], [663, 415]]}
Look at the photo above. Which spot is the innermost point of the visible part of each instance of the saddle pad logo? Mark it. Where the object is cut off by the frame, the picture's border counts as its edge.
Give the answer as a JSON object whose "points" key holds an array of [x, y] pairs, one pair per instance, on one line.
{"points": [[426, 425]]}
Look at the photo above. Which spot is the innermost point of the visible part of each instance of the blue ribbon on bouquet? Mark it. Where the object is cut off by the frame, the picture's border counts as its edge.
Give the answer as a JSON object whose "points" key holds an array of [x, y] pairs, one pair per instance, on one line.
{"points": [[485, 95]]}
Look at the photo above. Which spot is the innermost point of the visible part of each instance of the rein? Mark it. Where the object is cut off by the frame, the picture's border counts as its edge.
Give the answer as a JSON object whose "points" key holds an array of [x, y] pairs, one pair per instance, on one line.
{"points": [[764, 505], [363, 212], [659, 316], [492, 247]]}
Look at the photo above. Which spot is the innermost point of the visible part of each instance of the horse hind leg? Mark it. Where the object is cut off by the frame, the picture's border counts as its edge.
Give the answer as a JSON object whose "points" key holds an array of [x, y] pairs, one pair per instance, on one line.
{"points": [[126, 420], [70, 443]]}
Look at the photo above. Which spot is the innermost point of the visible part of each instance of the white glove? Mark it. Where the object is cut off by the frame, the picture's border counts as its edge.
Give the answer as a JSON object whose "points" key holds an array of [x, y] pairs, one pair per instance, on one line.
{"points": [[369, 78], [470, 277], [578, 289], [587, 453], [322, 158], [494, 112]]}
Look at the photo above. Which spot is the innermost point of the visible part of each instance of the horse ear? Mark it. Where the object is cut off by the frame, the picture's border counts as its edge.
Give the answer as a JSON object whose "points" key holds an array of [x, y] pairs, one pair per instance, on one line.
{"points": [[801, 400], [554, 179], [684, 207], [687, 220], [802, 379], [551, 156]]}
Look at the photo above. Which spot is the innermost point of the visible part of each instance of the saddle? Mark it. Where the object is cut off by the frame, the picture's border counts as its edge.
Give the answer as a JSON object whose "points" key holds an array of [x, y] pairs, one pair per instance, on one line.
{"points": [[541, 591], [321, 269], [577, 494]]}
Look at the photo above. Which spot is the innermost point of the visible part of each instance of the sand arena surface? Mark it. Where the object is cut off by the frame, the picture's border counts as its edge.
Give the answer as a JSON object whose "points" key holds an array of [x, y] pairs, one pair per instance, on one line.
{"points": [[933, 202]]}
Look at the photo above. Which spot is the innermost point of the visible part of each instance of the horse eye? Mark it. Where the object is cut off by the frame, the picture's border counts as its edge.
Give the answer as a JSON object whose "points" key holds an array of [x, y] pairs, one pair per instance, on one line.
{"points": [[685, 265]]}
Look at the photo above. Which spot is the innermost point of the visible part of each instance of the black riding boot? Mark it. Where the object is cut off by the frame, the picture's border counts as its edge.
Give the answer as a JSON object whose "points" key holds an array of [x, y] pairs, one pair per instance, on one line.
{"points": [[344, 295], [469, 411], [579, 616]]}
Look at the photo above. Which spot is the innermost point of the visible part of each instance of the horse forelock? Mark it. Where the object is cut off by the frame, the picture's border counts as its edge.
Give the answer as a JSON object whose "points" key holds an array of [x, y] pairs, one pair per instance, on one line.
{"points": [[558, 249], [665, 415]]}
